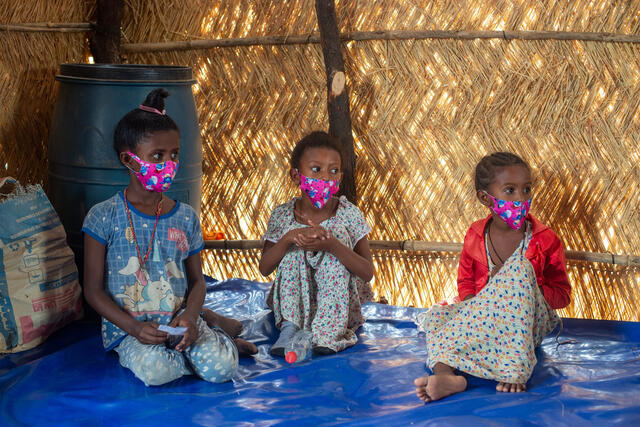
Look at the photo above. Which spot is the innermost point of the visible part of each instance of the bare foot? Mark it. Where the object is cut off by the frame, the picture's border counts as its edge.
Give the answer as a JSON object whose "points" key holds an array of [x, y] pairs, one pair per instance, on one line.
{"points": [[421, 388], [245, 348], [511, 388], [435, 387], [230, 326]]}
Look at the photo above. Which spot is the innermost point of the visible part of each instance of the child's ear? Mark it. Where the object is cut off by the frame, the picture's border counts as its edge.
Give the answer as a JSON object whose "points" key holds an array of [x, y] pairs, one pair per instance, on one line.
{"points": [[484, 198], [128, 162], [293, 174]]}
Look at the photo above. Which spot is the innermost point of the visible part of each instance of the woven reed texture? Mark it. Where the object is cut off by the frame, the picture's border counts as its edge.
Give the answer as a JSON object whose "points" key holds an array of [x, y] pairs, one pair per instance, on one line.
{"points": [[424, 112], [28, 64]]}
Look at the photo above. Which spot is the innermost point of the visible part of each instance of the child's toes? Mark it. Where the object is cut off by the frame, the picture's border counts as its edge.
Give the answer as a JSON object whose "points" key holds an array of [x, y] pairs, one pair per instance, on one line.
{"points": [[233, 327], [245, 348], [422, 395], [421, 388], [421, 382]]}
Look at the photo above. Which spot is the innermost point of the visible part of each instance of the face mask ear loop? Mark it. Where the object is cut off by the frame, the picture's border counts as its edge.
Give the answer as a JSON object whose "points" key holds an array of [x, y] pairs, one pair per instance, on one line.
{"points": [[493, 199], [127, 166]]}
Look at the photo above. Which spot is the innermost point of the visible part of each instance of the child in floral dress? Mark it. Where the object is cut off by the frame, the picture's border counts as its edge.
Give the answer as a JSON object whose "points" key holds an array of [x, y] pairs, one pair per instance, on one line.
{"points": [[318, 243], [511, 277]]}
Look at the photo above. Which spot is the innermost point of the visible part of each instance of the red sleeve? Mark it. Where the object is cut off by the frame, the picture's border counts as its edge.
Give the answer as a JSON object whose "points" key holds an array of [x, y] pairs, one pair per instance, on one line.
{"points": [[555, 287], [466, 284]]}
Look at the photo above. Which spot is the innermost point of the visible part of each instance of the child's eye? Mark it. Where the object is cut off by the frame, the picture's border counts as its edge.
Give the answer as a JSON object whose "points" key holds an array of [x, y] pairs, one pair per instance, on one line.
{"points": [[156, 156], [508, 190], [527, 190], [174, 156], [334, 171], [315, 168]]}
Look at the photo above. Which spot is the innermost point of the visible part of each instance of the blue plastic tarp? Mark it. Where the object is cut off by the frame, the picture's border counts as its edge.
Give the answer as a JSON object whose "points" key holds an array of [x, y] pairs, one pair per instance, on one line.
{"points": [[70, 380]]}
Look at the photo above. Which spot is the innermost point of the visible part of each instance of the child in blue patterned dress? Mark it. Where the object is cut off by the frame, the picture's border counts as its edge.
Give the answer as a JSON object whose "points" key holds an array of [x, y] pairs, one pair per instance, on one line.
{"points": [[319, 245], [142, 262]]}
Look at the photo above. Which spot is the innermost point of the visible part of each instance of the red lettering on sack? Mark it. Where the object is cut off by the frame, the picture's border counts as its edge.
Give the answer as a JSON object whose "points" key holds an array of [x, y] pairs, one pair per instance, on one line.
{"points": [[63, 300]]}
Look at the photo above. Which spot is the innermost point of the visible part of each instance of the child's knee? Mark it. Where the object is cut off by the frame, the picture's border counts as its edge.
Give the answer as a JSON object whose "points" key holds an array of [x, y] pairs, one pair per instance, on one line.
{"points": [[156, 372], [154, 367], [219, 371], [216, 359]]}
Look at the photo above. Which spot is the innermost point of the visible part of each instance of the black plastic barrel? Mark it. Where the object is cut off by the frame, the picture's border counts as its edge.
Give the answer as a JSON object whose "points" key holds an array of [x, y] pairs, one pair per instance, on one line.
{"points": [[83, 166]]}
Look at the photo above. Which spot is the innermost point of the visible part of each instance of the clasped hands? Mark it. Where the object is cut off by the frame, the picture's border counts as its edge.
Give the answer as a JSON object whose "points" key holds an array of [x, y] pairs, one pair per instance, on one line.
{"points": [[313, 238]]}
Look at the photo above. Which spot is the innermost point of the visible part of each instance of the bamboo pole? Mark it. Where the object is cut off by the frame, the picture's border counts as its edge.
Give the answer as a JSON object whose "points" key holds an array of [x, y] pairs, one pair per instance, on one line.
{"points": [[380, 35], [213, 43], [50, 27], [315, 38], [424, 246], [506, 35], [233, 244]]}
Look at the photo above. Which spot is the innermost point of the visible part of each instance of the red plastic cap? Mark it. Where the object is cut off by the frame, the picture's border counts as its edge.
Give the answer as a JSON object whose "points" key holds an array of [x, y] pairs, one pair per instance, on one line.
{"points": [[291, 357]]}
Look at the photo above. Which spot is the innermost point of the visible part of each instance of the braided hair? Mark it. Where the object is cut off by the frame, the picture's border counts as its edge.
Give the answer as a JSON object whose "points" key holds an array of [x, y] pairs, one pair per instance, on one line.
{"points": [[490, 165], [317, 139]]}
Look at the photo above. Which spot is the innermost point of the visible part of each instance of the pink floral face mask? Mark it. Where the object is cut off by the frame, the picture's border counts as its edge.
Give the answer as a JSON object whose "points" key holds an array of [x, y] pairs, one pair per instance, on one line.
{"points": [[318, 190], [155, 176], [511, 212]]}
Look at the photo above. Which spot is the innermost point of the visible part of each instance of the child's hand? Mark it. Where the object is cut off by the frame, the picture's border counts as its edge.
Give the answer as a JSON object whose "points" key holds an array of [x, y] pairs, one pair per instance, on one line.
{"points": [[292, 235], [190, 335], [148, 333], [314, 230], [326, 243], [309, 233]]}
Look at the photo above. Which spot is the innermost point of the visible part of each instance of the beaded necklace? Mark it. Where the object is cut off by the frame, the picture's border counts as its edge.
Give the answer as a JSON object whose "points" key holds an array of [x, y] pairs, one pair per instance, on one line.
{"points": [[133, 232]]}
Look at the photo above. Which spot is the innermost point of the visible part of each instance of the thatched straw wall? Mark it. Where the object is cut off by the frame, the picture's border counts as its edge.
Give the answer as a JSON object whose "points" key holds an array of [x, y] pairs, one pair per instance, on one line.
{"points": [[424, 112], [28, 64]]}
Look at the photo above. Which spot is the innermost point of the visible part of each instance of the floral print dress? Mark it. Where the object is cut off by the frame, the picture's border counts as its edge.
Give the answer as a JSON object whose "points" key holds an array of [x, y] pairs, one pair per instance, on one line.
{"points": [[315, 290], [494, 334]]}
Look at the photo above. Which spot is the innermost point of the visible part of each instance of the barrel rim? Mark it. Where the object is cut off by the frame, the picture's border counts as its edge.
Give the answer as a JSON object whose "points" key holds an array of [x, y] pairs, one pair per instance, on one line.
{"points": [[126, 72], [84, 80]]}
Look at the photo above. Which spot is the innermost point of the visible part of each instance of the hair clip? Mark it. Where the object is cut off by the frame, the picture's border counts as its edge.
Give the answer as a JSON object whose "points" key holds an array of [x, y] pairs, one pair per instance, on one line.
{"points": [[152, 110]]}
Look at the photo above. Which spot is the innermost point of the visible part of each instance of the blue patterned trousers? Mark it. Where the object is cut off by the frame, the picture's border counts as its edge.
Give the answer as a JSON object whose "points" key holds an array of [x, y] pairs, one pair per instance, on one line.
{"points": [[213, 357]]}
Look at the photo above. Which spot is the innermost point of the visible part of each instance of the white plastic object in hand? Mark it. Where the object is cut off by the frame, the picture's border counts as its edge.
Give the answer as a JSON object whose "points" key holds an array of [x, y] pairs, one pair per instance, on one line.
{"points": [[178, 330]]}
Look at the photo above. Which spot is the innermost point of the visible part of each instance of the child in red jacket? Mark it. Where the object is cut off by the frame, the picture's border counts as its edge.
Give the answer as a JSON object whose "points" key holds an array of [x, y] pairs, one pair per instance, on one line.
{"points": [[511, 277]]}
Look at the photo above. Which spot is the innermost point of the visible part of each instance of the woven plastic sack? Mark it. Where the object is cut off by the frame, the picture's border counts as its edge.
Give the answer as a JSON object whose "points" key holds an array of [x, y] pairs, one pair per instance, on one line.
{"points": [[39, 289]]}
